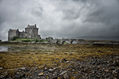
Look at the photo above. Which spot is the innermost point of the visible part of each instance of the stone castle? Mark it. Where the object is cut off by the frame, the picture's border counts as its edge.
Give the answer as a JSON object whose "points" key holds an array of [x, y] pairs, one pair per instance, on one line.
{"points": [[31, 31]]}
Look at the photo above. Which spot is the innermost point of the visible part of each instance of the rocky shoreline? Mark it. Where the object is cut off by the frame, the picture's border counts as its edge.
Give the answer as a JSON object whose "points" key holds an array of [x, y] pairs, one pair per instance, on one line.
{"points": [[106, 67]]}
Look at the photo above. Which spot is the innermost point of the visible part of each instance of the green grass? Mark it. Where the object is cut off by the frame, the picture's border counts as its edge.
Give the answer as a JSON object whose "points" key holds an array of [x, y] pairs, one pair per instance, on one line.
{"points": [[23, 40], [43, 40], [28, 40]]}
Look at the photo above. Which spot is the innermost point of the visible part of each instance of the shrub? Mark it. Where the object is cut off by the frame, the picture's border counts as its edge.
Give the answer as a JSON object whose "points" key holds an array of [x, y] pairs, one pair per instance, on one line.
{"points": [[27, 40], [15, 38], [36, 40]]}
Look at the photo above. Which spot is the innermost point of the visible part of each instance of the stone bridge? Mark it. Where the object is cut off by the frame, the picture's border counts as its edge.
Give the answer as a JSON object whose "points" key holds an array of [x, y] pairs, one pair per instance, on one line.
{"points": [[69, 41]]}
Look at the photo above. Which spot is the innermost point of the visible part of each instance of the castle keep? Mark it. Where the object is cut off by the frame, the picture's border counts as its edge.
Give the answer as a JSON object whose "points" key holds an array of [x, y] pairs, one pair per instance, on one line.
{"points": [[31, 31]]}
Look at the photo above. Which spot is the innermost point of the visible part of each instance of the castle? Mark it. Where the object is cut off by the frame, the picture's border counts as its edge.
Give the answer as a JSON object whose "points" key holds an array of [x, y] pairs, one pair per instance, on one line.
{"points": [[31, 31]]}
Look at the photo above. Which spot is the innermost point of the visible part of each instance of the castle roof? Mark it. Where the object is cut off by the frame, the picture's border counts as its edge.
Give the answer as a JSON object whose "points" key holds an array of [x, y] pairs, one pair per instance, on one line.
{"points": [[14, 30], [31, 26]]}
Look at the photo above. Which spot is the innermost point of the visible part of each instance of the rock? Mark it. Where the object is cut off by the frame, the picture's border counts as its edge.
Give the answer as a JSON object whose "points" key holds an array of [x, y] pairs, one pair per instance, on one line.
{"points": [[2, 76], [51, 70], [63, 60], [106, 70], [66, 76], [67, 61], [19, 75], [22, 68], [116, 63], [91, 68], [1, 68], [41, 74], [62, 73]]}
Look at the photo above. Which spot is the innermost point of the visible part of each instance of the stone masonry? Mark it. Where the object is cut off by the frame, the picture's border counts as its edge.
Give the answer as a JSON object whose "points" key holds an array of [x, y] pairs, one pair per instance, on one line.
{"points": [[31, 31]]}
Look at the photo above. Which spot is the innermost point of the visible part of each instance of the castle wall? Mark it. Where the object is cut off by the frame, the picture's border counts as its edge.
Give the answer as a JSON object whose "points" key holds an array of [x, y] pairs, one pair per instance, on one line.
{"points": [[12, 34], [38, 37], [22, 35], [31, 31]]}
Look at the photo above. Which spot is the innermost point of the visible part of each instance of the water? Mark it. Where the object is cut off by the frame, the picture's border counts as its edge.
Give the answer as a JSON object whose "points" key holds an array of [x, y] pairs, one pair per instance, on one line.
{"points": [[26, 48], [3, 48]]}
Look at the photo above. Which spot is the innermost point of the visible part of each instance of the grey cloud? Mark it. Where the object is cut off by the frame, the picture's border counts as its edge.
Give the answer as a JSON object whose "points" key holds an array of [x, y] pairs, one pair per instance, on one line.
{"points": [[61, 18]]}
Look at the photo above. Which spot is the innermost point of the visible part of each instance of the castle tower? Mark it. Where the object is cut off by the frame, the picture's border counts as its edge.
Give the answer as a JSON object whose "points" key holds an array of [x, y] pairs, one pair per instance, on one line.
{"points": [[32, 31], [12, 33]]}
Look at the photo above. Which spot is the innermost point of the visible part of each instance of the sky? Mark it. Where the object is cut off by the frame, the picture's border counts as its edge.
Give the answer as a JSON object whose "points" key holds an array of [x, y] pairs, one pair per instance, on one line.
{"points": [[62, 18]]}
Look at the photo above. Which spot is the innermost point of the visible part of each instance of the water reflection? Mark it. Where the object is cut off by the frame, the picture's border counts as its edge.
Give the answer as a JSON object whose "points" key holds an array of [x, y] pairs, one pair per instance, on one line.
{"points": [[18, 48], [26, 48], [3, 48]]}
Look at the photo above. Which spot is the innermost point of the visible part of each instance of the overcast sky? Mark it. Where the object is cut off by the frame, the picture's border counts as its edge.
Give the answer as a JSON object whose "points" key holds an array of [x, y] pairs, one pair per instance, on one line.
{"points": [[61, 18]]}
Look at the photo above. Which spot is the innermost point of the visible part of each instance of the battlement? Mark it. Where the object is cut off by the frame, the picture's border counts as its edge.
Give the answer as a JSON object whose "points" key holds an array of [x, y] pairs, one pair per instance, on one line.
{"points": [[31, 26]]}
